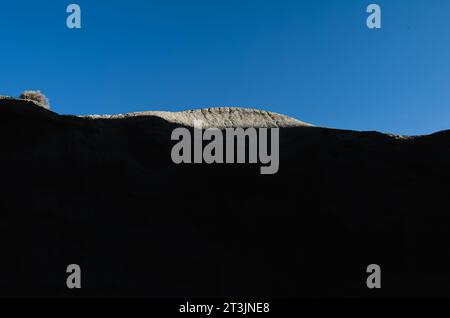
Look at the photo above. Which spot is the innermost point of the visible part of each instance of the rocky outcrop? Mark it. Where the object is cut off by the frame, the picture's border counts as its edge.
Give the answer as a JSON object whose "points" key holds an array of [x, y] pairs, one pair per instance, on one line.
{"points": [[221, 117], [103, 193]]}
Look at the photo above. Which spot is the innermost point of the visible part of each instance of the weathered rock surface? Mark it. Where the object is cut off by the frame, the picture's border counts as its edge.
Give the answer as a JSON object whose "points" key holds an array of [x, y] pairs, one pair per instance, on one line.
{"points": [[221, 117]]}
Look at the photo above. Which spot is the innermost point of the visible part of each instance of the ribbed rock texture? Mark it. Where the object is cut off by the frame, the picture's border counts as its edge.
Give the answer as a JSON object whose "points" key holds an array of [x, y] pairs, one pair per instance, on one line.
{"points": [[221, 117]]}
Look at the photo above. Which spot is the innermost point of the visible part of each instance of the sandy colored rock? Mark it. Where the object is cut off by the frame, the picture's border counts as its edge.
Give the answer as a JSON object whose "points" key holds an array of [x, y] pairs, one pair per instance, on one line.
{"points": [[221, 117]]}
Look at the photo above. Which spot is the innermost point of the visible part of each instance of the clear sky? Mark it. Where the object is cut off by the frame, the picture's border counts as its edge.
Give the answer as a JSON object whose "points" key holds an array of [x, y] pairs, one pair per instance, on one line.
{"points": [[315, 60]]}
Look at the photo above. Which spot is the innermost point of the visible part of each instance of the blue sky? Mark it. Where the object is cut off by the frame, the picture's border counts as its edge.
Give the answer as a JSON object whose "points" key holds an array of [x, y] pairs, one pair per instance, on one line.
{"points": [[314, 60]]}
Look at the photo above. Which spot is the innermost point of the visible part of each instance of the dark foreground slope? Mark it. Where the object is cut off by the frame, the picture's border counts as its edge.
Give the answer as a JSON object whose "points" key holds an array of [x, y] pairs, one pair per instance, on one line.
{"points": [[105, 194]]}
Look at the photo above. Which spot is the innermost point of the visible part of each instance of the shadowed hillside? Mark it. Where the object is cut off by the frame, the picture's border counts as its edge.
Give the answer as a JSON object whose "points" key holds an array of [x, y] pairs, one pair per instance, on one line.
{"points": [[104, 193]]}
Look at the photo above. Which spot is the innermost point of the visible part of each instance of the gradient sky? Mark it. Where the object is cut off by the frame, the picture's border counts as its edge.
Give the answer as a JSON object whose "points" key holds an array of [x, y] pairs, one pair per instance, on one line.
{"points": [[314, 60]]}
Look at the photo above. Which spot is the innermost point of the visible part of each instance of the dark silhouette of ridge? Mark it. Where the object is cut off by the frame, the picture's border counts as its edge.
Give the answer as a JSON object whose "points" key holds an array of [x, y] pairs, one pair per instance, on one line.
{"points": [[104, 194]]}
